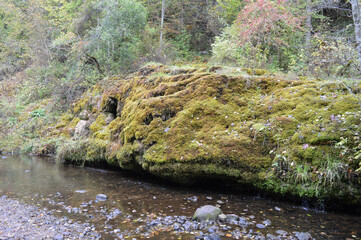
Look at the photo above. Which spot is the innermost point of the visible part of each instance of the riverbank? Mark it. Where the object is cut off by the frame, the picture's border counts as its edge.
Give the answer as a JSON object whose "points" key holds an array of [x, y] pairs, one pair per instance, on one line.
{"points": [[22, 221]]}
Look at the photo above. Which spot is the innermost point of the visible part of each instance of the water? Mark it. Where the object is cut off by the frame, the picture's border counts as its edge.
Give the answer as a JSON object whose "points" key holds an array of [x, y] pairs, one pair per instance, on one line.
{"points": [[72, 191]]}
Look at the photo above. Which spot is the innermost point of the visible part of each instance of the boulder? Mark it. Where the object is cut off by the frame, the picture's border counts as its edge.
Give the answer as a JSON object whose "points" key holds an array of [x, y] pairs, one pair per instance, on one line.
{"points": [[81, 129], [207, 212]]}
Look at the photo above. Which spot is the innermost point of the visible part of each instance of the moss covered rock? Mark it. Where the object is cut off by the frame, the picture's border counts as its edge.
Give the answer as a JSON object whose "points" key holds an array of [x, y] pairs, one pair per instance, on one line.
{"points": [[188, 124]]}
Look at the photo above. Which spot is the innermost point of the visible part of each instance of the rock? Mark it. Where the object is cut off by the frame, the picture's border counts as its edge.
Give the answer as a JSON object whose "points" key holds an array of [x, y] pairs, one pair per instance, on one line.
{"points": [[101, 197], [109, 118], [232, 218], [222, 217], [176, 226], [220, 202], [81, 129], [259, 225], [243, 222], [84, 115], [281, 232], [193, 199], [81, 191], [207, 212], [209, 237], [278, 209], [59, 237], [267, 222], [304, 236], [271, 237]]}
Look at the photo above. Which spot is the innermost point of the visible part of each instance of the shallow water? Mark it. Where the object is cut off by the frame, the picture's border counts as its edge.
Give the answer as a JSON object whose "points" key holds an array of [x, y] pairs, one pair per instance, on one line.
{"points": [[71, 191]]}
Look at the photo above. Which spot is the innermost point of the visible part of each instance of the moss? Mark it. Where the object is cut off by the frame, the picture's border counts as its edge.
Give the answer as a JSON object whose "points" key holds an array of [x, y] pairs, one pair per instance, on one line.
{"points": [[260, 72], [185, 124], [80, 105], [99, 124]]}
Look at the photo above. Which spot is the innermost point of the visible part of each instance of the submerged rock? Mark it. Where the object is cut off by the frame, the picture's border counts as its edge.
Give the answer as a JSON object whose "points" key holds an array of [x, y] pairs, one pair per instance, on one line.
{"points": [[101, 197], [304, 236], [207, 212]]}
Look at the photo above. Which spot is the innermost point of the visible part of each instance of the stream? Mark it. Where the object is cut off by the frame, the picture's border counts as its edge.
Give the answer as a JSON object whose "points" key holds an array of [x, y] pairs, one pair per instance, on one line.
{"points": [[136, 207]]}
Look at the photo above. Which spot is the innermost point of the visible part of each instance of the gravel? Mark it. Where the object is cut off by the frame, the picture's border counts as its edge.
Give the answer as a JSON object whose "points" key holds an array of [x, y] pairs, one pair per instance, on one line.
{"points": [[21, 221]]}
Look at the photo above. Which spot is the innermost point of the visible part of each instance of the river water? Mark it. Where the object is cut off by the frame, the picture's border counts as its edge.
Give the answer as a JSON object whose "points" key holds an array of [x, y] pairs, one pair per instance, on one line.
{"points": [[134, 201]]}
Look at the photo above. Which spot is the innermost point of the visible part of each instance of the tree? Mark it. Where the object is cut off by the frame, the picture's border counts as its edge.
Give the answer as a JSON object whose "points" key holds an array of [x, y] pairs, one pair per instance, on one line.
{"points": [[162, 23], [231, 8], [114, 41], [356, 14]]}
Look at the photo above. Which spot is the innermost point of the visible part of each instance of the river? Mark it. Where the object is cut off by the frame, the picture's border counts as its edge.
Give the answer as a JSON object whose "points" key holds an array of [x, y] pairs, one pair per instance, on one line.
{"points": [[135, 204]]}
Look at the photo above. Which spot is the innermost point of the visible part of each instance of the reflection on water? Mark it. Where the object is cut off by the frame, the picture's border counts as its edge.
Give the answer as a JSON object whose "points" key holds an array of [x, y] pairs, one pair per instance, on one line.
{"points": [[72, 191]]}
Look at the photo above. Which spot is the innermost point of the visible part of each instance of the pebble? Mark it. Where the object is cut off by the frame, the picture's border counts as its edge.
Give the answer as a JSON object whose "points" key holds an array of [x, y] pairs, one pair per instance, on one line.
{"points": [[37, 223], [81, 191], [259, 225]]}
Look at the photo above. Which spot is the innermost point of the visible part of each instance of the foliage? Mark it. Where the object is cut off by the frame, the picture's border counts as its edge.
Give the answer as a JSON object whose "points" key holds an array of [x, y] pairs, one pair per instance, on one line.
{"points": [[268, 23], [114, 42], [231, 9], [38, 113], [265, 35], [327, 57]]}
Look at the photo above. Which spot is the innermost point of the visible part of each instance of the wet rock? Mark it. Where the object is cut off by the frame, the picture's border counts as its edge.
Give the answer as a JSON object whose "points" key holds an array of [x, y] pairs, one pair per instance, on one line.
{"points": [[81, 191], [187, 225], [243, 222], [213, 229], [232, 218], [207, 212], [267, 222], [176, 226], [259, 225], [192, 199], [209, 237], [303, 236], [271, 237], [222, 217], [281, 232], [101, 197]]}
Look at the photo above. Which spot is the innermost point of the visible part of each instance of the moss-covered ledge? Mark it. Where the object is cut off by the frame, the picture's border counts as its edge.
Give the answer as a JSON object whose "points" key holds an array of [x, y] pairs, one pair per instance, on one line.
{"points": [[285, 136]]}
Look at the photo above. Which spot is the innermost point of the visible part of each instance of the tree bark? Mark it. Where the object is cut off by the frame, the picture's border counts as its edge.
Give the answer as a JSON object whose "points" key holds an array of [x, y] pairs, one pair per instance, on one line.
{"points": [[308, 24], [162, 23], [356, 14]]}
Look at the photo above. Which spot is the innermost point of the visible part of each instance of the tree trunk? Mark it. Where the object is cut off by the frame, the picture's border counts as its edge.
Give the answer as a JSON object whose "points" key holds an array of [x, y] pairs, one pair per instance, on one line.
{"points": [[308, 24], [356, 14], [162, 23]]}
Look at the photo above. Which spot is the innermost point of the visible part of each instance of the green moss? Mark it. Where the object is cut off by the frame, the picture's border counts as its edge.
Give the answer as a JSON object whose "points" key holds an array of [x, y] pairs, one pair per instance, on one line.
{"points": [[99, 124], [80, 105], [260, 72], [184, 124]]}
